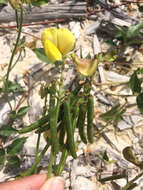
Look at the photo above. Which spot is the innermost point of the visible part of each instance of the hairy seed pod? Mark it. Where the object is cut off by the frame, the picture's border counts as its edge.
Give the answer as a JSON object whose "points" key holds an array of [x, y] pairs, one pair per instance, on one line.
{"points": [[62, 133], [81, 122], [35, 125], [53, 117], [69, 129], [75, 116], [90, 117]]}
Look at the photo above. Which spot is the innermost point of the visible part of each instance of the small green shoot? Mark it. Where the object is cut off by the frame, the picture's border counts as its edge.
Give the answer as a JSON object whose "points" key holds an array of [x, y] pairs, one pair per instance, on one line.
{"points": [[114, 114]]}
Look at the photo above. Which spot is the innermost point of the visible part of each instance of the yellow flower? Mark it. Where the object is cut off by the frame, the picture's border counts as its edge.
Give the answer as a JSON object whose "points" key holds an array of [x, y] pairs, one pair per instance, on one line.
{"points": [[57, 42], [86, 67]]}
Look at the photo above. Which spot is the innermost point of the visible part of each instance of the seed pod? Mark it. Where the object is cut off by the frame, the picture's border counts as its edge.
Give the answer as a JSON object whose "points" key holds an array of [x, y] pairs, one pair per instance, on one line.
{"points": [[68, 127], [53, 117], [74, 96], [75, 116], [35, 125], [61, 112], [61, 133], [81, 122], [90, 117], [43, 129]]}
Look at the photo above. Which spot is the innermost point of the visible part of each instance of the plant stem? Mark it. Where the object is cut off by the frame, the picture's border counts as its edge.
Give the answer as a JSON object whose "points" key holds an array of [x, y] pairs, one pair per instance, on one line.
{"points": [[39, 158], [16, 60], [61, 165], [45, 106], [16, 44], [37, 150], [13, 54], [39, 134], [61, 80], [51, 161], [126, 187], [113, 177], [17, 21]]}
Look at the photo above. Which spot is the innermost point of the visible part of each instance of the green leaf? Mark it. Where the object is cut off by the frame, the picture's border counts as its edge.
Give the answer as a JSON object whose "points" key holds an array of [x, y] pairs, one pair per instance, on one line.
{"points": [[40, 52], [2, 156], [110, 43], [135, 42], [7, 130], [105, 156], [22, 111], [111, 114], [12, 114], [88, 56], [134, 30], [16, 146], [139, 100], [13, 161], [135, 83], [14, 87], [57, 63], [121, 34]]}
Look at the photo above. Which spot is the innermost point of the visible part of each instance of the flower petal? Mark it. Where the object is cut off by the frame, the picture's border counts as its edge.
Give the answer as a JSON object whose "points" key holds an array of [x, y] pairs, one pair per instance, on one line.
{"points": [[51, 51], [86, 67], [50, 34], [66, 41]]}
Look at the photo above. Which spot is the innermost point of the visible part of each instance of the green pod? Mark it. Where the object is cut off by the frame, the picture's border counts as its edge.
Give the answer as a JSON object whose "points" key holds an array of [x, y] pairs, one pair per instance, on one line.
{"points": [[90, 117], [53, 120], [61, 112], [35, 125], [43, 129], [68, 128], [61, 133], [75, 113], [74, 95], [81, 122]]}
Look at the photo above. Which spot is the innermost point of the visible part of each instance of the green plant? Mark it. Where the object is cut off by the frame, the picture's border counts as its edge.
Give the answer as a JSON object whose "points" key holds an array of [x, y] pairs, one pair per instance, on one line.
{"points": [[64, 110], [60, 114], [129, 35]]}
